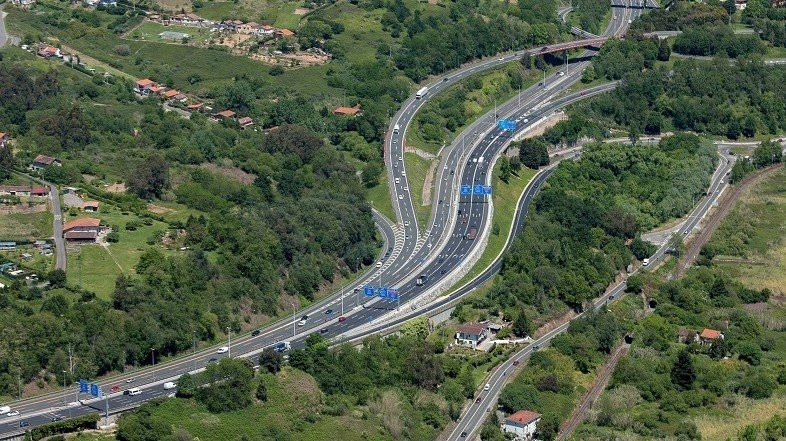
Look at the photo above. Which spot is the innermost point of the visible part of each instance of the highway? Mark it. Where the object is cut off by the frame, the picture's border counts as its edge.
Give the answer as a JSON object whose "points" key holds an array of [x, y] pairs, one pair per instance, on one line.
{"points": [[474, 416], [407, 251]]}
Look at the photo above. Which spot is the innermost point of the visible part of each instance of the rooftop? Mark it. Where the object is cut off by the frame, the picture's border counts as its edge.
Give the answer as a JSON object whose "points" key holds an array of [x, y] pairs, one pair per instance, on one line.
{"points": [[523, 417], [470, 328], [710, 334], [84, 222], [43, 159]]}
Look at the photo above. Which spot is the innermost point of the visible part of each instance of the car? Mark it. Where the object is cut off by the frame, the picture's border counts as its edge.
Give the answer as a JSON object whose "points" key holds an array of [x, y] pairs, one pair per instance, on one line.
{"points": [[379, 264], [516, 362], [13, 413], [406, 188], [403, 172], [536, 347], [130, 380], [222, 350], [440, 202], [446, 78], [611, 297], [442, 272], [487, 387], [560, 74], [328, 312], [323, 331], [400, 158], [114, 389], [401, 196], [301, 323], [477, 400], [501, 59], [255, 332], [304, 318], [212, 360], [57, 418], [24, 424], [451, 172], [463, 434], [488, 409], [342, 319], [133, 391], [170, 385]]}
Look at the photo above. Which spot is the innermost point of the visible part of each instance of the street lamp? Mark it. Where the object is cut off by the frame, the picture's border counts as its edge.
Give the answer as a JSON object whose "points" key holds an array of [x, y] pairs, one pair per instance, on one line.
{"points": [[229, 343], [294, 313], [64, 386], [193, 331], [153, 355]]}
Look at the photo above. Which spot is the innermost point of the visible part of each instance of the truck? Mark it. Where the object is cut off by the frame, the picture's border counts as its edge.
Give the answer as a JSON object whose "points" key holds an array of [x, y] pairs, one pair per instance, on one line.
{"points": [[473, 231], [421, 93], [420, 280], [395, 129], [282, 346], [4, 409], [169, 385]]}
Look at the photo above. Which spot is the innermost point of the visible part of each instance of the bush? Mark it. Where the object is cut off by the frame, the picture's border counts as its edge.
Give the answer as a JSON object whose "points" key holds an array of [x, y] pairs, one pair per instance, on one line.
{"points": [[122, 50], [276, 71]]}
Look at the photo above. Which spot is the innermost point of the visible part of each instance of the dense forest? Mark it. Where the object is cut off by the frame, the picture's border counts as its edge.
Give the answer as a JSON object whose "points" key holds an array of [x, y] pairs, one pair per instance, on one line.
{"points": [[574, 241], [302, 222]]}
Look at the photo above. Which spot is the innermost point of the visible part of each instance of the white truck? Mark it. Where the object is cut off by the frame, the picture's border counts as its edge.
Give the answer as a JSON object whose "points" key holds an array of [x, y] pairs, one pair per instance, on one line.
{"points": [[169, 385], [421, 93], [395, 129]]}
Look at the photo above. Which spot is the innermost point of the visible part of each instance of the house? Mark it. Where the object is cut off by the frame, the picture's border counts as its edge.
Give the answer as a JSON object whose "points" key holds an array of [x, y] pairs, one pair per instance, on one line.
{"points": [[224, 114], [15, 190], [3, 139], [347, 111], [196, 107], [23, 3], [146, 86], [247, 28], [85, 229], [174, 95], [522, 424], [189, 19], [709, 336], [470, 334], [687, 336], [39, 191], [7, 246], [90, 206], [284, 33], [42, 161], [245, 122], [266, 31], [47, 51]]}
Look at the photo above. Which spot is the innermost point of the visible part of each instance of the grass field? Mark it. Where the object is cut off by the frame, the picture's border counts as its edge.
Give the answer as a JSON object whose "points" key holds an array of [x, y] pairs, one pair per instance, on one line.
{"points": [[24, 226], [718, 425], [293, 408], [149, 31], [505, 197], [96, 267], [417, 168], [379, 198], [761, 213]]}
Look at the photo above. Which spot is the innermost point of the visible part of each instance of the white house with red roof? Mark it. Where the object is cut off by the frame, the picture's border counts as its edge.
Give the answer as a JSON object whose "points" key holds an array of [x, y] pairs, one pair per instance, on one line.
{"points": [[471, 334], [42, 161], [709, 336], [522, 424], [84, 229]]}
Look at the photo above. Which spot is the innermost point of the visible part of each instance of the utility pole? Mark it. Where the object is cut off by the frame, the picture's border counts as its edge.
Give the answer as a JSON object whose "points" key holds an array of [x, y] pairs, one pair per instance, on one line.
{"points": [[342, 299], [64, 386], [153, 355], [229, 343], [193, 332], [294, 313], [544, 77]]}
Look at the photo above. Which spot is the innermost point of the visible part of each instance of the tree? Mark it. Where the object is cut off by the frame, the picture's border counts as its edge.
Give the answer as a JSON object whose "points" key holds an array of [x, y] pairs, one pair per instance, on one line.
{"points": [[683, 374], [186, 386], [589, 75], [270, 360], [149, 178], [6, 162], [261, 393], [57, 278], [664, 50], [641, 249], [504, 169], [676, 244], [522, 326], [533, 152], [749, 352], [227, 385]]}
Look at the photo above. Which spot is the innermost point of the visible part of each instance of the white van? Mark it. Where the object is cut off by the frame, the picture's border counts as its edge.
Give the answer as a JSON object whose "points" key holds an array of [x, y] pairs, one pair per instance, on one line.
{"points": [[4, 409], [169, 385], [645, 262], [133, 391]]}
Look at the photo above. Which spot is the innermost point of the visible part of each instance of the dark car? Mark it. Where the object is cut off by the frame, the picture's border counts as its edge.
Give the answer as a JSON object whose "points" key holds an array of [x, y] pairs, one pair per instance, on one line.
{"points": [[342, 319], [516, 362], [212, 360], [477, 400], [328, 312], [57, 418], [463, 434], [24, 424], [255, 332], [323, 331]]}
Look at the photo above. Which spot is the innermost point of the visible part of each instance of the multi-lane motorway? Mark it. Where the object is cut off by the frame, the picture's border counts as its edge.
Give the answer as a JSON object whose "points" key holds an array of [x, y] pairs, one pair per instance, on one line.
{"points": [[476, 413], [437, 252]]}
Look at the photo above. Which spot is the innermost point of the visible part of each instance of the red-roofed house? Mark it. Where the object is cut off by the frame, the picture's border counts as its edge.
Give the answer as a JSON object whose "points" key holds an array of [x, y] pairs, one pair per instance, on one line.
{"points": [[195, 107], [709, 336], [470, 334], [40, 191], [174, 95], [224, 114], [347, 111], [284, 32], [3, 139], [145, 86], [85, 229], [90, 206], [522, 424], [245, 122], [42, 161], [48, 51]]}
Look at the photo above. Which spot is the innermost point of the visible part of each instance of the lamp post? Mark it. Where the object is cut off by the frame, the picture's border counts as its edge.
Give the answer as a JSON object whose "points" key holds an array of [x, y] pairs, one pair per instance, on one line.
{"points": [[153, 355], [229, 342], [294, 312]]}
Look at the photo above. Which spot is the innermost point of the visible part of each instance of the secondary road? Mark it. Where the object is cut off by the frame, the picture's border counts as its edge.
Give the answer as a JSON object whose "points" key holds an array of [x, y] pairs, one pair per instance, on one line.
{"points": [[473, 418]]}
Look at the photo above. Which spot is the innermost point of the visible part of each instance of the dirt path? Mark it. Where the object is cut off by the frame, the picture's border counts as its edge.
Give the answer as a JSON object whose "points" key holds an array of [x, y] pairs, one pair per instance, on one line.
{"points": [[598, 386], [724, 207]]}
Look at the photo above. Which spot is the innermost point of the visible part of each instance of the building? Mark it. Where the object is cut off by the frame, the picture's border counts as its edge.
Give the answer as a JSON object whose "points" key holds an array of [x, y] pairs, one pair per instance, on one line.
{"points": [[284, 33], [709, 336], [347, 111], [83, 230], [42, 161], [90, 206], [224, 114], [15, 190], [266, 31], [470, 334], [247, 28], [174, 95], [39, 191], [196, 107], [23, 3], [3, 139], [47, 51], [523, 424], [687, 336], [245, 122], [143, 86], [189, 19], [7, 246]]}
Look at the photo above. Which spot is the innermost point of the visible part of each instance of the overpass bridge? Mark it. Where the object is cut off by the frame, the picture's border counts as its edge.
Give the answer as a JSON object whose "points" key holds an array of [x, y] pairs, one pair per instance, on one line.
{"points": [[559, 47]]}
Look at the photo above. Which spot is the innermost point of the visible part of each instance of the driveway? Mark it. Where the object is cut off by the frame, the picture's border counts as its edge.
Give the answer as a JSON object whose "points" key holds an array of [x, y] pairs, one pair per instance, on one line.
{"points": [[5, 38]]}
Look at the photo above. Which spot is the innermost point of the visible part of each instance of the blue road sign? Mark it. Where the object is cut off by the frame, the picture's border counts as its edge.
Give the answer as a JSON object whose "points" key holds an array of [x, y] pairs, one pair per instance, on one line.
{"points": [[478, 189], [506, 124], [466, 189], [368, 291], [486, 189], [382, 293], [83, 386], [393, 294], [95, 390]]}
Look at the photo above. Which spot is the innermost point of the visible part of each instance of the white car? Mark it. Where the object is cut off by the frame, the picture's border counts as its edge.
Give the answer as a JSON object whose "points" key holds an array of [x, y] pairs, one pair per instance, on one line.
{"points": [[398, 180], [487, 387], [379, 264], [13, 413], [406, 188], [403, 172], [400, 158], [401, 197], [560, 74], [222, 350]]}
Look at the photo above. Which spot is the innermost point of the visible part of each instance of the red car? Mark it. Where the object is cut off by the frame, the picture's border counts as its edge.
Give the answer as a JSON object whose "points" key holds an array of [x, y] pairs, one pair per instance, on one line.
{"points": [[342, 319], [114, 389]]}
